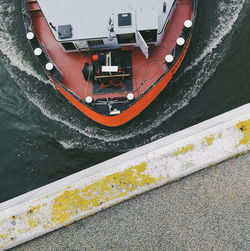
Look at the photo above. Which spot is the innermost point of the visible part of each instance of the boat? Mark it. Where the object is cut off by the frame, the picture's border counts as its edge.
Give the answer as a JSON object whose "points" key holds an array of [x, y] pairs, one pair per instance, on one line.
{"points": [[109, 58]]}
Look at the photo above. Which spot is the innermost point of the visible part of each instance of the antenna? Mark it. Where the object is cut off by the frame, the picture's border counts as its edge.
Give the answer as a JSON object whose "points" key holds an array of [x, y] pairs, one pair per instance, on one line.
{"points": [[54, 28]]}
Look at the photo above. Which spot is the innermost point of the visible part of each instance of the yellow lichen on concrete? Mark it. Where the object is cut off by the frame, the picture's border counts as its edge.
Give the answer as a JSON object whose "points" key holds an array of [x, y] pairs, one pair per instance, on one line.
{"points": [[4, 236], [34, 209], [29, 217], [111, 187], [244, 127], [32, 222], [3, 239], [183, 150], [208, 140]]}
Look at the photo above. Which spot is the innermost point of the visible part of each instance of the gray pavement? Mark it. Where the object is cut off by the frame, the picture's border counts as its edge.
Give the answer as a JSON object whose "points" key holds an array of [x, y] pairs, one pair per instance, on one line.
{"points": [[209, 210]]}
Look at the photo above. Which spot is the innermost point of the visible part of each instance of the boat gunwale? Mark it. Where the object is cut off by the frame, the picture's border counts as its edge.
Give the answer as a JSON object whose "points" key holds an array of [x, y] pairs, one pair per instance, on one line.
{"points": [[57, 80]]}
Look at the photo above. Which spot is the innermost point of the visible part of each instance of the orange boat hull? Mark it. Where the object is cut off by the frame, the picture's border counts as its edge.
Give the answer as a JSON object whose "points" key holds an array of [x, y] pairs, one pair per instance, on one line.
{"points": [[132, 111], [74, 88]]}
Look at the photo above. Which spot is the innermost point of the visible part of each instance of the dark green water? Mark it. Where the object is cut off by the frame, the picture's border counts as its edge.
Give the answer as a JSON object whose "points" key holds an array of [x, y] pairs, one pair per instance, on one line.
{"points": [[44, 138]]}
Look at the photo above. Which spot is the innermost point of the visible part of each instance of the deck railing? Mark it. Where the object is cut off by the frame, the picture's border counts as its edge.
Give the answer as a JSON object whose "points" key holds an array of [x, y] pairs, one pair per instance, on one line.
{"points": [[56, 75]]}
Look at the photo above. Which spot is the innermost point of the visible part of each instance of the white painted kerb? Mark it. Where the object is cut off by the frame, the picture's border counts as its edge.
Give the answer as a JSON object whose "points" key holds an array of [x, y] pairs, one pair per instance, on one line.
{"points": [[101, 186]]}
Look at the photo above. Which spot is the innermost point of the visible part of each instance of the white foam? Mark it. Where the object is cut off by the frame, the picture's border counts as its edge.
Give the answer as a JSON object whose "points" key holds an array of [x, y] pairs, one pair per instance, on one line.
{"points": [[67, 144], [7, 44], [229, 12], [208, 61], [226, 23], [162, 161]]}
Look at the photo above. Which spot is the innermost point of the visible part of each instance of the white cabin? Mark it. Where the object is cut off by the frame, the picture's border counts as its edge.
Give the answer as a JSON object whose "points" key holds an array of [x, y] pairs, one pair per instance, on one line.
{"points": [[107, 24]]}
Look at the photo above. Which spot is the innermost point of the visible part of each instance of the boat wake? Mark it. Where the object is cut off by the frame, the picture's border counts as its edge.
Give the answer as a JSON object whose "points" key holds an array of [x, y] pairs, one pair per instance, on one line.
{"points": [[9, 42], [224, 27], [81, 132]]}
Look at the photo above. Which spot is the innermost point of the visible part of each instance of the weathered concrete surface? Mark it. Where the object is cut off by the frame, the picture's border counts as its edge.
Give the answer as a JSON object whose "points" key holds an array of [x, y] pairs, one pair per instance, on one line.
{"points": [[209, 210], [87, 192]]}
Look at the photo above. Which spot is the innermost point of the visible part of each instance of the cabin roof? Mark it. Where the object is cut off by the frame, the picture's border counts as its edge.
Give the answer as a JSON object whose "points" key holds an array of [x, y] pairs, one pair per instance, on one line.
{"points": [[90, 19]]}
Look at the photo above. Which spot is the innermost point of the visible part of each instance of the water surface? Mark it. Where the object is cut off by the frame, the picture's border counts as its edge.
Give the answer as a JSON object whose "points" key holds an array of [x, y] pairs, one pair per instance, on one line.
{"points": [[44, 138]]}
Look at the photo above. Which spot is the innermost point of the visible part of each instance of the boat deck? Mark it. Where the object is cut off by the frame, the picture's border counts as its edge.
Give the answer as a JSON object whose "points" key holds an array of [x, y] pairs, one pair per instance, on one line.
{"points": [[64, 12], [145, 71]]}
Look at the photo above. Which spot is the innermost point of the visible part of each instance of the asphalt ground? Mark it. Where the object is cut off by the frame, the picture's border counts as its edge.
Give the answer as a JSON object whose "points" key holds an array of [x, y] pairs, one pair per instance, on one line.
{"points": [[209, 210]]}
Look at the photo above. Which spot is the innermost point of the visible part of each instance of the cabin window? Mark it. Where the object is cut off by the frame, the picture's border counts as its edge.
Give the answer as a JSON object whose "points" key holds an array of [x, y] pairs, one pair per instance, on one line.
{"points": [[126, 38], [94, 43], [149, 35], [124, 19], [69, 46]]}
